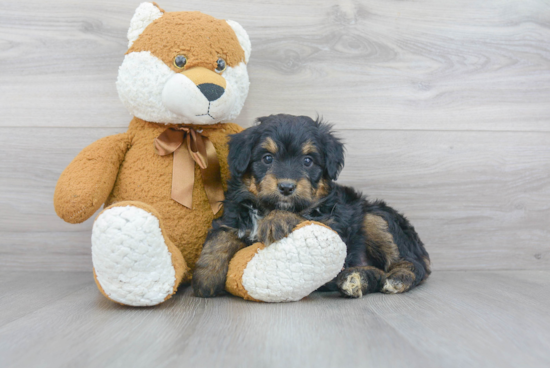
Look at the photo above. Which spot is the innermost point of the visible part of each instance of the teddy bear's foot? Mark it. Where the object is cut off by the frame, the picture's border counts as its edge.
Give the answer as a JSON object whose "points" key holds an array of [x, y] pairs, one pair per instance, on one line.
{"points": [[134, 264], [289, 269]]}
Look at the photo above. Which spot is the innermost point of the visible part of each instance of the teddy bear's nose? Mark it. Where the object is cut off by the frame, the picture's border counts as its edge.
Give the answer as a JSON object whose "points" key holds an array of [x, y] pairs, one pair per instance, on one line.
{"points": [[211, 91]]}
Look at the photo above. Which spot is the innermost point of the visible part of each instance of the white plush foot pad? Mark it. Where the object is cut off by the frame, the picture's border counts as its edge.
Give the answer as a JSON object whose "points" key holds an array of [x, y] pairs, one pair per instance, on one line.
{"points": [[295, 266], [131, 260]]}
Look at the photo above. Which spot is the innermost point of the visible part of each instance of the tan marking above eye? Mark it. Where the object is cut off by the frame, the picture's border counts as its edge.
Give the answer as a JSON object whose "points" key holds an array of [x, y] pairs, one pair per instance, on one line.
{"points": [[270, 145], [309, 148]]}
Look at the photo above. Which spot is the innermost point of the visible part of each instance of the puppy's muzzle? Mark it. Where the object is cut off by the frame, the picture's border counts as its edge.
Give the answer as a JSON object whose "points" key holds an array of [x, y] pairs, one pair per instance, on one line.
{"points": [[286, 188]]}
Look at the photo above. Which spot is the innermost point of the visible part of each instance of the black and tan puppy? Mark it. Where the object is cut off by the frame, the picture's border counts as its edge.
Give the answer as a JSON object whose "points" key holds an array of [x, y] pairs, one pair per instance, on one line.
{"points": [[282, 173]]}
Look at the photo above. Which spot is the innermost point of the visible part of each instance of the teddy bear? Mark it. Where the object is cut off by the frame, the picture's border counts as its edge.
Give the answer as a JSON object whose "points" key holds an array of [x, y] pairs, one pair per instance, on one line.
{"points": [[162, 182]]}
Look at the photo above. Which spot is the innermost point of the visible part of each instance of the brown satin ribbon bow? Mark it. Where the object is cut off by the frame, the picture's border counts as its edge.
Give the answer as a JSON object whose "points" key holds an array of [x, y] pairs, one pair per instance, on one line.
{"points": [[189, 146]]}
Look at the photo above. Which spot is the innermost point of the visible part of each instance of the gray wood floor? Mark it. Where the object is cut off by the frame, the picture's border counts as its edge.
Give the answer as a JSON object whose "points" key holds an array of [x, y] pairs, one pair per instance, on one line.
{"points": [[445, 109], [444, 106], [457, 319]]}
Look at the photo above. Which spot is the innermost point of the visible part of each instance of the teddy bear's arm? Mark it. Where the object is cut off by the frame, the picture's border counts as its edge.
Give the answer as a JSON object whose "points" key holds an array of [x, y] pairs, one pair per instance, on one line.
{"points": [[86, 183], [290, 268]]}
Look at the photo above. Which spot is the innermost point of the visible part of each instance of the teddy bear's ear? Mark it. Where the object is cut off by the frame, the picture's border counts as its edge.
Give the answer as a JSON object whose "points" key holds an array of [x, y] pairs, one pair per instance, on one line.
{"points": [[243, 38], [145, 14]]}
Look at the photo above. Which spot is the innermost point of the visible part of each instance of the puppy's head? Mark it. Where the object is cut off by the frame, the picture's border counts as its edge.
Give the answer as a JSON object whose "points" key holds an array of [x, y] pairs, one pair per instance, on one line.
{"points": [[287, 162]]}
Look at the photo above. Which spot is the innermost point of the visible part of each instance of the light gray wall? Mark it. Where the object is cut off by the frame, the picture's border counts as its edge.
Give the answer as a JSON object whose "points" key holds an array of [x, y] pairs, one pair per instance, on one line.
{"points": [[444, 106]]}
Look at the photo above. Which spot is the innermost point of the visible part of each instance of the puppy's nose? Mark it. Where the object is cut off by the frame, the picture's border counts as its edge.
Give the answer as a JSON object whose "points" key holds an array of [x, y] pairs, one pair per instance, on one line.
{"points": [[211, 91], [286, 188]]}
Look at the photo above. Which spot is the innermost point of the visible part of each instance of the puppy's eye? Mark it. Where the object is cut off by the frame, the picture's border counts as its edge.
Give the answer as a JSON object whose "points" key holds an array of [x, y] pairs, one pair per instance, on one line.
{"points": [[180, 61], [267, 159], [220, 67], [308, 161]]}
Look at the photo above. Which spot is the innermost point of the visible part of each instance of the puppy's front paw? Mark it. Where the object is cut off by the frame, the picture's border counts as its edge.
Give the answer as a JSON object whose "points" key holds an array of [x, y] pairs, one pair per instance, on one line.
{"points": [[271, 231], [277, 225]]}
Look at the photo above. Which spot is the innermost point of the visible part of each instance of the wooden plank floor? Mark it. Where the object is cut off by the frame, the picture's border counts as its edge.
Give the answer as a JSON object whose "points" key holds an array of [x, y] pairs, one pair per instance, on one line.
{"points": [[456, 319], [443, 104], [444, 107]]}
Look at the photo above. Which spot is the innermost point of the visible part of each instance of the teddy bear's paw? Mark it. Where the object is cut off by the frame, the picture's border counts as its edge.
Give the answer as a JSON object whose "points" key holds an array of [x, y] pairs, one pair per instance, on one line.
{"points": [[295, 266], [132, 263]]}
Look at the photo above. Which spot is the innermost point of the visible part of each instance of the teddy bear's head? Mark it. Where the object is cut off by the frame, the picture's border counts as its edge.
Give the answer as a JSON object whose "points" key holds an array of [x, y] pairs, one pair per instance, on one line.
{"points": [[183, 67]]}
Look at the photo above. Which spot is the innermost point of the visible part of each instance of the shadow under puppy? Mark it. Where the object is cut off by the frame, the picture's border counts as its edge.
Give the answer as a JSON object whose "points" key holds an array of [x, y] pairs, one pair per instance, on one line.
{"points": [[282, 173]]}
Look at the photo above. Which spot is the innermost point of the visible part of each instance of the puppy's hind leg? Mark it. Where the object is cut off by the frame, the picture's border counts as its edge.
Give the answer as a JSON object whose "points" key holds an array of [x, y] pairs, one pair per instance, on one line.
{"points": [[354, 282], [211, 269], [403, 276]]}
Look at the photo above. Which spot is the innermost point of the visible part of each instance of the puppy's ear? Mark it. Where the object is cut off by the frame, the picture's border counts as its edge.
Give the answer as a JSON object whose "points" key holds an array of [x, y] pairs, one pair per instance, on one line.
{"points": [[240, 151], [333, 149]]}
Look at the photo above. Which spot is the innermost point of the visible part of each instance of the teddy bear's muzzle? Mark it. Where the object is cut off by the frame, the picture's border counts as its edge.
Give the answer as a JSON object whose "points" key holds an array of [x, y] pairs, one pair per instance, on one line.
{"points": [[201, 95], [211, 84]]}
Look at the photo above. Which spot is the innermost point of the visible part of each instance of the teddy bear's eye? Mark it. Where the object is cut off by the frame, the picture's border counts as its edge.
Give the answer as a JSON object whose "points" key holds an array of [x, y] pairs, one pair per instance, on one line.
{"points": [[180, 61], [221, 65]]}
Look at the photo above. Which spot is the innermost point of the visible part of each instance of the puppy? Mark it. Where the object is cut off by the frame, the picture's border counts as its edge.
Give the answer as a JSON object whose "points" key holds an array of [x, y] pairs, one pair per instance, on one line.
{"points": [[282, 173]]}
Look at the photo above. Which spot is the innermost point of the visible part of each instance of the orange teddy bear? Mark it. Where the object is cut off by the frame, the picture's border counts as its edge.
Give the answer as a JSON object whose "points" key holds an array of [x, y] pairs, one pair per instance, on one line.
{"points": [[162, 181]]}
